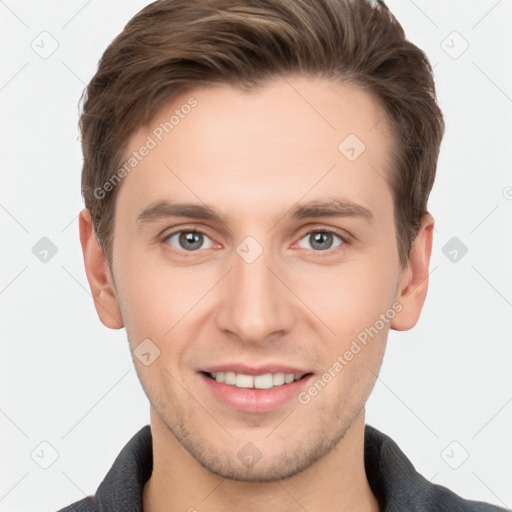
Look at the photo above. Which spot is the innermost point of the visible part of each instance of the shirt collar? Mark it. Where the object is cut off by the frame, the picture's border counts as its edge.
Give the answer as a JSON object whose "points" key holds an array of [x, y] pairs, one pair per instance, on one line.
{"points": [[121, 490], [392, 478]]}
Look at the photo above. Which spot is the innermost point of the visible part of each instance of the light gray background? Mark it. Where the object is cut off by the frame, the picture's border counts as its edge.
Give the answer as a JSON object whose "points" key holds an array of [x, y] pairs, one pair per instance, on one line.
{"points": [[445, 388]]}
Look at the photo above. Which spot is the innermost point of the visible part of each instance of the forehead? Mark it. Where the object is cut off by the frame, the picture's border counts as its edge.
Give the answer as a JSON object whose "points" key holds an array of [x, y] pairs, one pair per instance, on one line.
{"points": [[272, 146]]}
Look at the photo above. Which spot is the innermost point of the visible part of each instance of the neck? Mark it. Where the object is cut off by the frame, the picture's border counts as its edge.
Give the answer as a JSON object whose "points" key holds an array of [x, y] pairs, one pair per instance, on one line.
{"points": [[336, 482]]}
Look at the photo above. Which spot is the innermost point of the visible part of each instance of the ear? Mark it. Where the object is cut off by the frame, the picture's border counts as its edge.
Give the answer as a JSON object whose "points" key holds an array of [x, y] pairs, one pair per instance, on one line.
{"points": [[414, 281], [98, 274]]}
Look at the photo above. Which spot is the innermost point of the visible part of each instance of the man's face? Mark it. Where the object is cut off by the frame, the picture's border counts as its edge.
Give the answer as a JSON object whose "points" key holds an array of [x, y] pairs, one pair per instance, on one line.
{"points": [[271, 285]]}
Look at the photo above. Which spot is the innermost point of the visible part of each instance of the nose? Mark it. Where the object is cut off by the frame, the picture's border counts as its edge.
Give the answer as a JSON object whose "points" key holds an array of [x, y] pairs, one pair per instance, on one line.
{"points": [[255, 305]]}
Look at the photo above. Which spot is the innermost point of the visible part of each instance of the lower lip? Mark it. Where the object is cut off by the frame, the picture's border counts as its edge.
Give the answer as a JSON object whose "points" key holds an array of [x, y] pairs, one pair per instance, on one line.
{"points": [[255, 400]]}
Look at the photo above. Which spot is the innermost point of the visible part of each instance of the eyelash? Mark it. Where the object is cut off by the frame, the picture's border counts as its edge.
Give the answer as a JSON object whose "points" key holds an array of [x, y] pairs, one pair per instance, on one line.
{"points": [[187, 254]]}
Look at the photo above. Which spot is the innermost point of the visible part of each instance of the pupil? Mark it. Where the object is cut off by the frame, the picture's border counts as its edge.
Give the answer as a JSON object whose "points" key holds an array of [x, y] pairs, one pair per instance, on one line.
{"points": [[191, 240], [321, 241]]}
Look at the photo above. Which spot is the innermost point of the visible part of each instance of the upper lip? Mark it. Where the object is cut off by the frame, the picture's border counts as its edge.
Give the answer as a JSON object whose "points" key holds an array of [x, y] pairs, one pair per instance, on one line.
{"points": [[255, 370]]}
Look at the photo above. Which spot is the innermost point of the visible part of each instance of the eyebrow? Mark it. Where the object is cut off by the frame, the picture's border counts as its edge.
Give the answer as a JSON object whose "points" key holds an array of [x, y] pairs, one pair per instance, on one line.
{"points": [[162, 210]]}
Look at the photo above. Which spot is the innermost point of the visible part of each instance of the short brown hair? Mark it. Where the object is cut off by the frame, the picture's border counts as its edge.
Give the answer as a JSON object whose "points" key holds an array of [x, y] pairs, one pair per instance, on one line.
{"points": [[174, 45]]}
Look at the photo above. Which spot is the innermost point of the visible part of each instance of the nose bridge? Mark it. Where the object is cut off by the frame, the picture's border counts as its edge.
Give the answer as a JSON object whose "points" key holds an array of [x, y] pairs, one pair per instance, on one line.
{"points": [[255, 304]]}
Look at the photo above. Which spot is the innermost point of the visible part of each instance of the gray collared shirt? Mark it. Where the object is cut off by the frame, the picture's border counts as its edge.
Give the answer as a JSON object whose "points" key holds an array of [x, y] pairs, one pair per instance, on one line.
{"points": [[392, 477]]}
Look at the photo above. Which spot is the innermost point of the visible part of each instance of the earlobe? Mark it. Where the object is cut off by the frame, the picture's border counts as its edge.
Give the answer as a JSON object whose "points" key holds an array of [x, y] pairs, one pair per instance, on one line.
{"points": [[98, 274], [414, 283]]}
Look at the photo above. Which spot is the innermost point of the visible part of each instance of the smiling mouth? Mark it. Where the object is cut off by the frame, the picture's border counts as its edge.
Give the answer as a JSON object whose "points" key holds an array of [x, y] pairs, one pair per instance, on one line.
{"points": [[265, 381]]}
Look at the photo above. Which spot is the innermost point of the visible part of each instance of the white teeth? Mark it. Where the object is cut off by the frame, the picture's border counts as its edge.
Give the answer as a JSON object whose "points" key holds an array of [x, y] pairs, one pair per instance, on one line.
{"points": [[278, 379], [263, 381], [244, 381], [230, 378], [266, 381]]}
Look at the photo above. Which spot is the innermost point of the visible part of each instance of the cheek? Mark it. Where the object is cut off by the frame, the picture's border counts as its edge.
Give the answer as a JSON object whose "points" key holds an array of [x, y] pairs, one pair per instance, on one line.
{"points": [[157, 301], [350, 297]]}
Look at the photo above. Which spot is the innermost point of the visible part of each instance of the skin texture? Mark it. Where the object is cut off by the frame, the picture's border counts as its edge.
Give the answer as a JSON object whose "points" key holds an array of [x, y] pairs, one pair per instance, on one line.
{"points": [[253, 157]]}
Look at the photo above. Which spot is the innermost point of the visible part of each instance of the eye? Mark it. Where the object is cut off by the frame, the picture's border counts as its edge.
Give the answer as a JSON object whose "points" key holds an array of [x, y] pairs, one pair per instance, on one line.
{"points": [[320, 240], [189, 241]]}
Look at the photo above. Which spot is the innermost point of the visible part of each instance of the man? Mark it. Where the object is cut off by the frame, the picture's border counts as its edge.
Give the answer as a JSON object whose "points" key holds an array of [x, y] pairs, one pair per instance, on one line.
{"points": [[256, 176]]}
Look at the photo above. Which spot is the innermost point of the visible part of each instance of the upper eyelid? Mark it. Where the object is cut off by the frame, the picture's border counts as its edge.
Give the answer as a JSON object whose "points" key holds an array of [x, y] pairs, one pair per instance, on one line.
{"points": [[345, 237]]}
